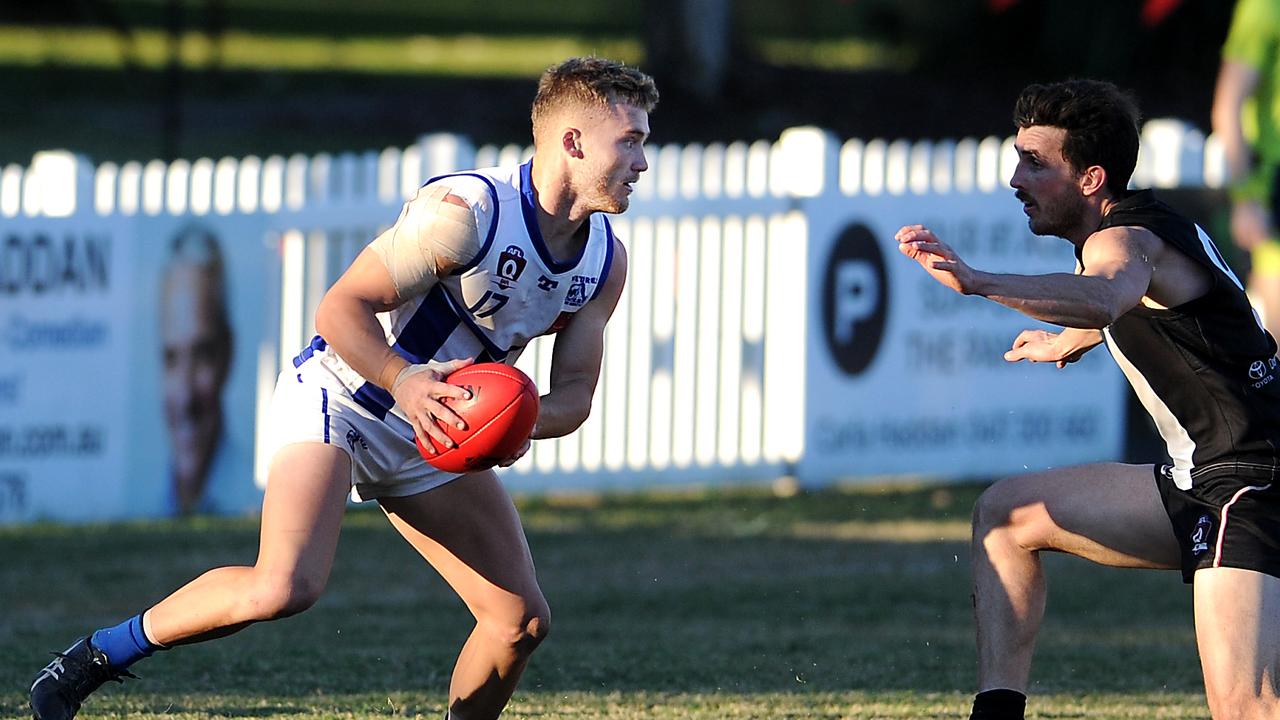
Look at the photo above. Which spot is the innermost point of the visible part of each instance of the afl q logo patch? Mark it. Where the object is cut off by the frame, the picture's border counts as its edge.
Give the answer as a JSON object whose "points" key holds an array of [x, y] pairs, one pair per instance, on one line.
{"points": [[511, 263], [854, 290]]}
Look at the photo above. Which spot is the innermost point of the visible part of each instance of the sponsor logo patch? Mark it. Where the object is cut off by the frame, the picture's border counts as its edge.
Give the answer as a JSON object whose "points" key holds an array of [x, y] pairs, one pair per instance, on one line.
{"points": [[1257, 370]]}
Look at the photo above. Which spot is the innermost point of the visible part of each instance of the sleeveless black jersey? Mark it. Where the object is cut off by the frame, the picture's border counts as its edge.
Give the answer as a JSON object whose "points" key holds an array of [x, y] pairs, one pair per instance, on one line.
{"points": [[1205, 370]]}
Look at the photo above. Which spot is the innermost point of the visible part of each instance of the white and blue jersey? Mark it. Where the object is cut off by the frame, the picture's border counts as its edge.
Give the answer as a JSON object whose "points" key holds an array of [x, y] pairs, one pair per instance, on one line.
{"points": [[512, 291]]}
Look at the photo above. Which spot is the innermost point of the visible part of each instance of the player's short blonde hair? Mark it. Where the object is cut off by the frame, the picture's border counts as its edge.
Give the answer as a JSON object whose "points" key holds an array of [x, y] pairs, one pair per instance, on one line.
{"points": [[589, 83]]}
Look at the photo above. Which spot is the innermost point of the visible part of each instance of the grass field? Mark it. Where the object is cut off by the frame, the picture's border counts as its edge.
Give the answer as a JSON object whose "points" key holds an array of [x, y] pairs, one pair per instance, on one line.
{"points": [[847, 603]]}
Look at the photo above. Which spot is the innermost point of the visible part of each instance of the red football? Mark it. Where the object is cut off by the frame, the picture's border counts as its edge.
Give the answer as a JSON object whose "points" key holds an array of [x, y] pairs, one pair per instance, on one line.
{"points": [[499, 416]]}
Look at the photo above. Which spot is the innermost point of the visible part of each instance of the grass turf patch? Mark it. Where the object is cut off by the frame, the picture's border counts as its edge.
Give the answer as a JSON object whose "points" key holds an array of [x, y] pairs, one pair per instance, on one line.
{"points": [[693, 604]]}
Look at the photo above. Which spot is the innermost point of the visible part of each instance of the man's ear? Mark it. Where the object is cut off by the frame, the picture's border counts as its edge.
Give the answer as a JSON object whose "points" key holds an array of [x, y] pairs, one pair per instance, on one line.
{"points": [[1092, 180], [571, 141]]}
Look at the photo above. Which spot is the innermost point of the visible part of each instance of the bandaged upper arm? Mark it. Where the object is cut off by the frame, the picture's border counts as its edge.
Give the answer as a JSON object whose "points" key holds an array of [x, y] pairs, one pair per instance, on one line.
{"points": [[433, 236]]}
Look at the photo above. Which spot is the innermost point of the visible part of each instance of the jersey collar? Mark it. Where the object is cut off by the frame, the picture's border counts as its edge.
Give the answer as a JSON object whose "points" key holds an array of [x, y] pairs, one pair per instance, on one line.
{"points": [[529, 207]]}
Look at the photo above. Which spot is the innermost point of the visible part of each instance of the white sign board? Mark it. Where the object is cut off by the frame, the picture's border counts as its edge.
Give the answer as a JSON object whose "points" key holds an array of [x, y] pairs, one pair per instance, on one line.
{"points": [[65, 289], [130, 349], [906, 376]]}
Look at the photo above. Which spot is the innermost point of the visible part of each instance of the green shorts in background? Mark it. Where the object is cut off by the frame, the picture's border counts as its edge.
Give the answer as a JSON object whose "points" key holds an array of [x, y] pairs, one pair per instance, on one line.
{"points": [[1263, 185]]}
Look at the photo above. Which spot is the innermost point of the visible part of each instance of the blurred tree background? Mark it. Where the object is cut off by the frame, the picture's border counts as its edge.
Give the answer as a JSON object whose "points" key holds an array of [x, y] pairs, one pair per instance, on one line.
{"points": [[140, 79]]}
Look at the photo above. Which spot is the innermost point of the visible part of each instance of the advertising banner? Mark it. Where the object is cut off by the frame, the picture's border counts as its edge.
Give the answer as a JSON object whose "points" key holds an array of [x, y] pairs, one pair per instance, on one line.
{"points": [[130, 348], [65, 330], [906, 376], [198, 304]]}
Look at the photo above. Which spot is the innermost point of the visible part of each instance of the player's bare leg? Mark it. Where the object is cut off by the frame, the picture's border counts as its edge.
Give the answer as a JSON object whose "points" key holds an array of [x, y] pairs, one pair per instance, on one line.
{"points": [[301, 517], [1238, 633], [1017, 518], [470, 532]]}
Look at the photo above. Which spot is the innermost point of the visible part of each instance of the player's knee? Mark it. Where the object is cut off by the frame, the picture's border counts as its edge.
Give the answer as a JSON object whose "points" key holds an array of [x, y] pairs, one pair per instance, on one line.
{"points": [[536, 629], [1003, 513], [991, 510], [279, 596], [1241, 701], [523, 626]]}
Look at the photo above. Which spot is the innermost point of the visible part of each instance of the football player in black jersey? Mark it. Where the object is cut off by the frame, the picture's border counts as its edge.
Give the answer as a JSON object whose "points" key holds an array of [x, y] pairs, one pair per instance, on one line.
{"points": [[1152, 286]]}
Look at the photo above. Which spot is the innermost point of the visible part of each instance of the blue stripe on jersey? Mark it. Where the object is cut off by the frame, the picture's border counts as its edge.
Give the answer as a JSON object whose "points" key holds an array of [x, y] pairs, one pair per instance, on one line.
{"points": [[431, 324], [608, 258], [324, 410], [528, 205], [316, 345], [493, 227], [374, 399], [493, 350]]}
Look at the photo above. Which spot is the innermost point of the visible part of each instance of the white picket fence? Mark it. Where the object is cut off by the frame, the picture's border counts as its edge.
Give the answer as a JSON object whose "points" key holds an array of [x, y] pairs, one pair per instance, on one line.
{"points": [[705, 357], [689, 373]]}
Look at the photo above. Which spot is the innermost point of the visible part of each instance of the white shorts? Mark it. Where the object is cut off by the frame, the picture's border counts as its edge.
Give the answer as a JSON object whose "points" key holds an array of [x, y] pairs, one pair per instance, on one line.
{"points": [[311, 405]]}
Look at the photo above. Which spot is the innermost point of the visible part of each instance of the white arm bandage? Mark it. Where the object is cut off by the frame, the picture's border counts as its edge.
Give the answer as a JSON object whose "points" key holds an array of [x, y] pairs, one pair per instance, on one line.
{"points": [[408, 372], [432, 235]]}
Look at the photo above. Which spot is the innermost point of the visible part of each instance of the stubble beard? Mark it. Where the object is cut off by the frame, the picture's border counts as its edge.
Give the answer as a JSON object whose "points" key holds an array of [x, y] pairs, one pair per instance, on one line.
{"points": [[607, 202], [1058, 219]]}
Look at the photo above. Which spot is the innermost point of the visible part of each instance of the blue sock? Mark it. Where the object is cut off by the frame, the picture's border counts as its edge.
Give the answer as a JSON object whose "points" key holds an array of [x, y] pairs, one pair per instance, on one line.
{"points": [[124, 644]]}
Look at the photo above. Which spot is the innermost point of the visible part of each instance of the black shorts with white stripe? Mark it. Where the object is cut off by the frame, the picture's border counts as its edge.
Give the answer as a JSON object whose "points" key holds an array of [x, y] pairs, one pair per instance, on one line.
{"points": [[1230, 517]]}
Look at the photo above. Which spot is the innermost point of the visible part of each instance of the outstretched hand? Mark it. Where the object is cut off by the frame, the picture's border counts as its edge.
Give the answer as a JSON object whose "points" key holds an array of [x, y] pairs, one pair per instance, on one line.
{"points": [[1045, 346], [936, 257]]}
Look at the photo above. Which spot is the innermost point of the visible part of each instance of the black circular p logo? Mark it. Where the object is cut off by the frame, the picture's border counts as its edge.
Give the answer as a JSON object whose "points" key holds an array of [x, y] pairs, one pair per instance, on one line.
{"points": [[854, 293]]}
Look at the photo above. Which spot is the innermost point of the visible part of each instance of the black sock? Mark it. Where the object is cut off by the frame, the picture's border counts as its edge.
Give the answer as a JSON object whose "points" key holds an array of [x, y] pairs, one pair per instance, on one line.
{"points": [[999, 704]]}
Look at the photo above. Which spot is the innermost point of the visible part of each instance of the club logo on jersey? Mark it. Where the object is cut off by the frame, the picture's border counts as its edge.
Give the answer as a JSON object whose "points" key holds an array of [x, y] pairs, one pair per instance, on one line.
{"points": [[546, 284], [1200, 536], [511, 264], [354, 437], [578, 294]]}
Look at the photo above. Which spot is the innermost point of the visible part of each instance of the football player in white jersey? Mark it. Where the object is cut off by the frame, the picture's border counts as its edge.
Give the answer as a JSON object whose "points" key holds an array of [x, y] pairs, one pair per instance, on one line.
{"points": [[374, 377]]}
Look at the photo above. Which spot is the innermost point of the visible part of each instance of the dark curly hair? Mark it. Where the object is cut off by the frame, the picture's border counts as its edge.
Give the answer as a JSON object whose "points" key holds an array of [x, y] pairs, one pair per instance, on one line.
{"points": [[1101, 121]]}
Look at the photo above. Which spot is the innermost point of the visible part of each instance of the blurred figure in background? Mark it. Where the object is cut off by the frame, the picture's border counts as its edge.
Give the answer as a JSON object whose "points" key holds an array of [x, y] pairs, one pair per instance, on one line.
{"points": [[196, 342], [1246, 117]]}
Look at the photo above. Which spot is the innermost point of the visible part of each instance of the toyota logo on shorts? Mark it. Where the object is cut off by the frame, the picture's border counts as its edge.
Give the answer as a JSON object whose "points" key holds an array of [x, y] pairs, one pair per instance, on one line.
{"points": [[1257, 370]]}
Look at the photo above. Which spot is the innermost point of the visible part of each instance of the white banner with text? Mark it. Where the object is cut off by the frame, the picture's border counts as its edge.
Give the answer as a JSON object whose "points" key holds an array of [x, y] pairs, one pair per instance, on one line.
{"points": [[905, 375]]}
